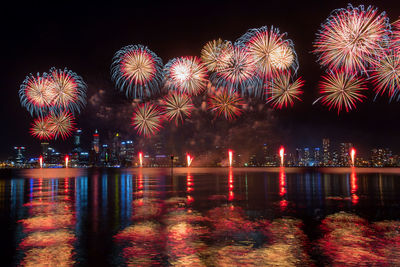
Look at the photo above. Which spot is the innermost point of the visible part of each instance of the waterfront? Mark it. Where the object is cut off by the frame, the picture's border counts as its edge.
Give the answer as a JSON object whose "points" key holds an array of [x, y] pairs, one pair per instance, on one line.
{"points": [[200, 216]]}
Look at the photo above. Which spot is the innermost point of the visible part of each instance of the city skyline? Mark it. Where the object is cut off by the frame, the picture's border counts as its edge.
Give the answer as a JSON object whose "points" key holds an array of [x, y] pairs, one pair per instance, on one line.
{"points": [[121, 152]]}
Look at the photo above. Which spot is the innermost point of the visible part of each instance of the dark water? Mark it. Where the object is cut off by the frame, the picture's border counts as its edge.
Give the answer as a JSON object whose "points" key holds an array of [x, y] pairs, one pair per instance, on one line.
{"points": [[200, 217]]}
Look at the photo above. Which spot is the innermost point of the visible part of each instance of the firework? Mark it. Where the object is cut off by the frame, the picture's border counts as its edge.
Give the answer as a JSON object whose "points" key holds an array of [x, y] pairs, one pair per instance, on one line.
{"points": [[227, 104], [68, 90], [341, 90], [396, 35], [270, 49], [177, 106], [35, 94], [212, 52], [61, 124], [41, 129], [283, 92], [186, 75], [351, 37], [386, 74], [137, 71], [147, 119], [238, 73]]}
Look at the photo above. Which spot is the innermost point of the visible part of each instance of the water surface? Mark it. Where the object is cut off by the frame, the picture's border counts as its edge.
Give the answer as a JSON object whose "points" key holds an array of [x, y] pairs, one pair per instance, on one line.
{"points": [[200, 217]]}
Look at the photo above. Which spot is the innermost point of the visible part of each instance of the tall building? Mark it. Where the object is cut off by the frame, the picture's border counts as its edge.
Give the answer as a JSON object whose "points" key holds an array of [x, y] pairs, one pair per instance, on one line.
{"points": [[317, 156], [326, 152], [344, 158], [115, 150], [306, 159], [20, 158], [77, 139], [45, 149], [96, 142]]}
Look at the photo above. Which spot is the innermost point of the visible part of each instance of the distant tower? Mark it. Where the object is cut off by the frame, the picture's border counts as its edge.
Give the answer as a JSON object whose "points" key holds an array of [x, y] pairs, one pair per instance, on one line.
{"points": [[77, 139], [116, 145], [345, 154], [96, 142], [20, 159], [45, 149], [326, 151], [317, 156]]}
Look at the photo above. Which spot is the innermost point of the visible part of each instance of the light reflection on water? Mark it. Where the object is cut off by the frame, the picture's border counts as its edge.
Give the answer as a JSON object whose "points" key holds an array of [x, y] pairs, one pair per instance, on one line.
{"points": [[200, 217]]}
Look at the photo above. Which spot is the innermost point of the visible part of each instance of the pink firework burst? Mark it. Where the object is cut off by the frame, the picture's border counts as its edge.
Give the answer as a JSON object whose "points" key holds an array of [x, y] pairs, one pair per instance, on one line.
{"points": [[283, 91], [341, 90], [147, 119], [186, 75], [351, 37], [41, 129], [61, 124]]}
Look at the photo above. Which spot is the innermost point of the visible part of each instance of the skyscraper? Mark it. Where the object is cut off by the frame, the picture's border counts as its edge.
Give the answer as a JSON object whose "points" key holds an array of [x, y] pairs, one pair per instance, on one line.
{"points": [[20, 158], [344, 159], [77, 140], [326, 151], [96, 142], [45, 149]]}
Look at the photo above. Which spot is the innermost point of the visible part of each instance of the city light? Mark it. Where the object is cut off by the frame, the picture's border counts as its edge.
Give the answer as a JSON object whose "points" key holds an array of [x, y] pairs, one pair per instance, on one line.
{"points": [[353, 156], [230, 153], [189, 159], [141, 159], [282, 155], [41, 161], [66, 161]]}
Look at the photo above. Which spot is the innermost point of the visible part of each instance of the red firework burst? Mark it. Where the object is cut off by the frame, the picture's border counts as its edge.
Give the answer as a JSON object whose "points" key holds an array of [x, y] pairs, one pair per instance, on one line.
{"points": [[341, 90], [351, 37]]}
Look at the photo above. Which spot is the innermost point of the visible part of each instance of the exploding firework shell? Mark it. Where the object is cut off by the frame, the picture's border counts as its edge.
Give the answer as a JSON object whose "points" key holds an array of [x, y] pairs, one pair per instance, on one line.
{"points": [[341, 90], [396, 35], [351, 37], [41, 129], [386, 74], [61, 124], [283, 91], [212, 52], [238, 73], [227, 104], [137, 71], [35, 94], [186, 75], [147, 119], [177, 106], [68, 90], [271, 51]]}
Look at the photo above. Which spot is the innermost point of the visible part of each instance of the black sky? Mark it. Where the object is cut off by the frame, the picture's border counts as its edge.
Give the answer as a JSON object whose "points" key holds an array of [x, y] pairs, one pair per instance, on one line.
{"points": [[84, 37]]}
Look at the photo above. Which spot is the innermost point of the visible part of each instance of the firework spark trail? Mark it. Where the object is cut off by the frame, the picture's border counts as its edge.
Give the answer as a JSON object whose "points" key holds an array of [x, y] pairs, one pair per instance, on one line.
{"points": [[396, 35], [61, 124], [238, 73], [227, 104], [351, 37], [35, 95], [212, 52], [68, 90], [386, 74], [341, 90], [270, 50], [147, 119], [41, 129], [177, 106], [283, 92], [137, 71], [186, 75]]}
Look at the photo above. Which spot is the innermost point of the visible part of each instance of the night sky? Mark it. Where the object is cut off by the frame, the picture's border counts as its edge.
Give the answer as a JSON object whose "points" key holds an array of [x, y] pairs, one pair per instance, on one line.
{"points": [[84, 38]]}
